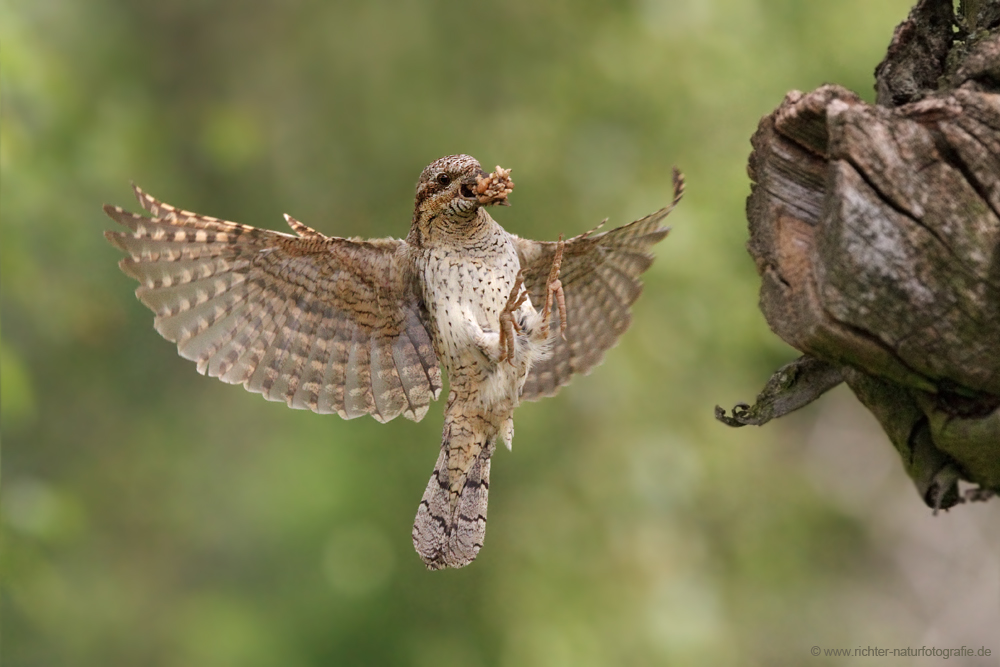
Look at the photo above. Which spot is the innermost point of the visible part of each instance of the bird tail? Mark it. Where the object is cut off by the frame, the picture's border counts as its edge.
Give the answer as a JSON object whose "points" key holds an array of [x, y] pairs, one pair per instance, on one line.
{"points": [[451, 520]]}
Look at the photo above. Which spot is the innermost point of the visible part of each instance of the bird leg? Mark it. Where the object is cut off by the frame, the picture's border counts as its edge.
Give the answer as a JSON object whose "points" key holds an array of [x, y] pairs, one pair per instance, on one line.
{"points": [[554, 290], [508, 325]]}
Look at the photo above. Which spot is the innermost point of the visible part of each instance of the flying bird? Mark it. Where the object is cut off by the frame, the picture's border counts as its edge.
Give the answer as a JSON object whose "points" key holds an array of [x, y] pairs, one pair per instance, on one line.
{"points": [[355, 327]]}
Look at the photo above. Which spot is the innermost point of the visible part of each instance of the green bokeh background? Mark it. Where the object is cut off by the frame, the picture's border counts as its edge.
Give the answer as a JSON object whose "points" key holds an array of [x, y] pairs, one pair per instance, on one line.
{"points": [[156, 517]]}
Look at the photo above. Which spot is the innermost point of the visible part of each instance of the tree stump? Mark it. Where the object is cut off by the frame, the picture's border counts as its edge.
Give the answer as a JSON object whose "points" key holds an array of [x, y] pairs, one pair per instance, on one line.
{"points": [[876, 233]]}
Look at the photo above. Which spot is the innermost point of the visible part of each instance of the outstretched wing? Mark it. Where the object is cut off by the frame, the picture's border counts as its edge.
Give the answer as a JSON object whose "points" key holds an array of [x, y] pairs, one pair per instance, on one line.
{"points": [[324, 323], [600, 278]]}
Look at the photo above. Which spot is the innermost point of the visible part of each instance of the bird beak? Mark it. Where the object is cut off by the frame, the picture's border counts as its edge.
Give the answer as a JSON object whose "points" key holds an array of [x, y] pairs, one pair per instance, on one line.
{"points": [[468, 189]]}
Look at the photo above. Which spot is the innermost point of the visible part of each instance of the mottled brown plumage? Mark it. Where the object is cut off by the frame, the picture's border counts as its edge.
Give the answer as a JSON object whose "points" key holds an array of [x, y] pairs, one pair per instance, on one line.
{"points": [[358, 327]]}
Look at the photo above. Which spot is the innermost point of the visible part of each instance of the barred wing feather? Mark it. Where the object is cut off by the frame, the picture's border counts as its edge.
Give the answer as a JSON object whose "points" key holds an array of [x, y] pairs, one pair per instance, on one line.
{"points": [[329, 324], [600, 278]]}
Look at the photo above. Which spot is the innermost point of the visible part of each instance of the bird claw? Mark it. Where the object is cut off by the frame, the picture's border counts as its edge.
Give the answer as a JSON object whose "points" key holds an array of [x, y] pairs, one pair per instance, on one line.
{"points": [[518, 295], [554, 291]]}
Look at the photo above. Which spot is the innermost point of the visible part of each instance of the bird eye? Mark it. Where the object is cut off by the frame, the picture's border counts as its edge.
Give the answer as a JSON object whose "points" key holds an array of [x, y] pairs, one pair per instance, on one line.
{"points": [[443, 179]]}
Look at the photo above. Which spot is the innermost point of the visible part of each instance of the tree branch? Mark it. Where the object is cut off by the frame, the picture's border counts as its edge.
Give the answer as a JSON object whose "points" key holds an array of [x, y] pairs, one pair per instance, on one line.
{"points": [[876, 232]]}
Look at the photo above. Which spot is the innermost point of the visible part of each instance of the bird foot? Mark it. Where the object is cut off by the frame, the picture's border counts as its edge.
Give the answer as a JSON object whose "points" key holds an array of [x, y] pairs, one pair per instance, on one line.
{"points": [[508, 325], [494, 188], [554, 292]]}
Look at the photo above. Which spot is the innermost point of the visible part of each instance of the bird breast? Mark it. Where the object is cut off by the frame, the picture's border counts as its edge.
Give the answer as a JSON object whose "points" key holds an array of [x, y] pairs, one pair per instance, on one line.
{"points": [[468, 283]]}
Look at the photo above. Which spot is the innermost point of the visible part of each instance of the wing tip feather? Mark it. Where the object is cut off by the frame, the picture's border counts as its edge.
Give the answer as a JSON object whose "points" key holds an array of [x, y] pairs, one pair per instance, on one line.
{"points": [[115, 239], [302, 229]]}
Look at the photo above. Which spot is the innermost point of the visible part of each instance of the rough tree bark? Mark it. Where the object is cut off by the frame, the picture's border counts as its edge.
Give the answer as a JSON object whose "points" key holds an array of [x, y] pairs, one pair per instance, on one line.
{"points": [[876, 233]]}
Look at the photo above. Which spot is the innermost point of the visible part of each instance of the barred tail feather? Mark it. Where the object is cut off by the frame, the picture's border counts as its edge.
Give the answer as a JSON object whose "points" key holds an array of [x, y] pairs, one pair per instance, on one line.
{"points": [[451, 519]]}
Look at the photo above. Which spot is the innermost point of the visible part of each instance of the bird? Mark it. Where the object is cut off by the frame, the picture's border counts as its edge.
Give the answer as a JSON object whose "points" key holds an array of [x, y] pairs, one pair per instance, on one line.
{"points": [[363, 327]]}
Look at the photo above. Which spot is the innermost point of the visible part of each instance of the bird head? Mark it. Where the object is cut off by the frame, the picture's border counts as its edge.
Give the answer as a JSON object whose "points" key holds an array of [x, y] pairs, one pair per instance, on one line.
{"points": [[455, 187]]}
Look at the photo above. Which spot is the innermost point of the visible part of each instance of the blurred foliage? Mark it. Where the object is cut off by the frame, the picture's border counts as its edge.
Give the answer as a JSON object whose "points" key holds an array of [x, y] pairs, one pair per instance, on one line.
{"points": [[156, 517]]}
